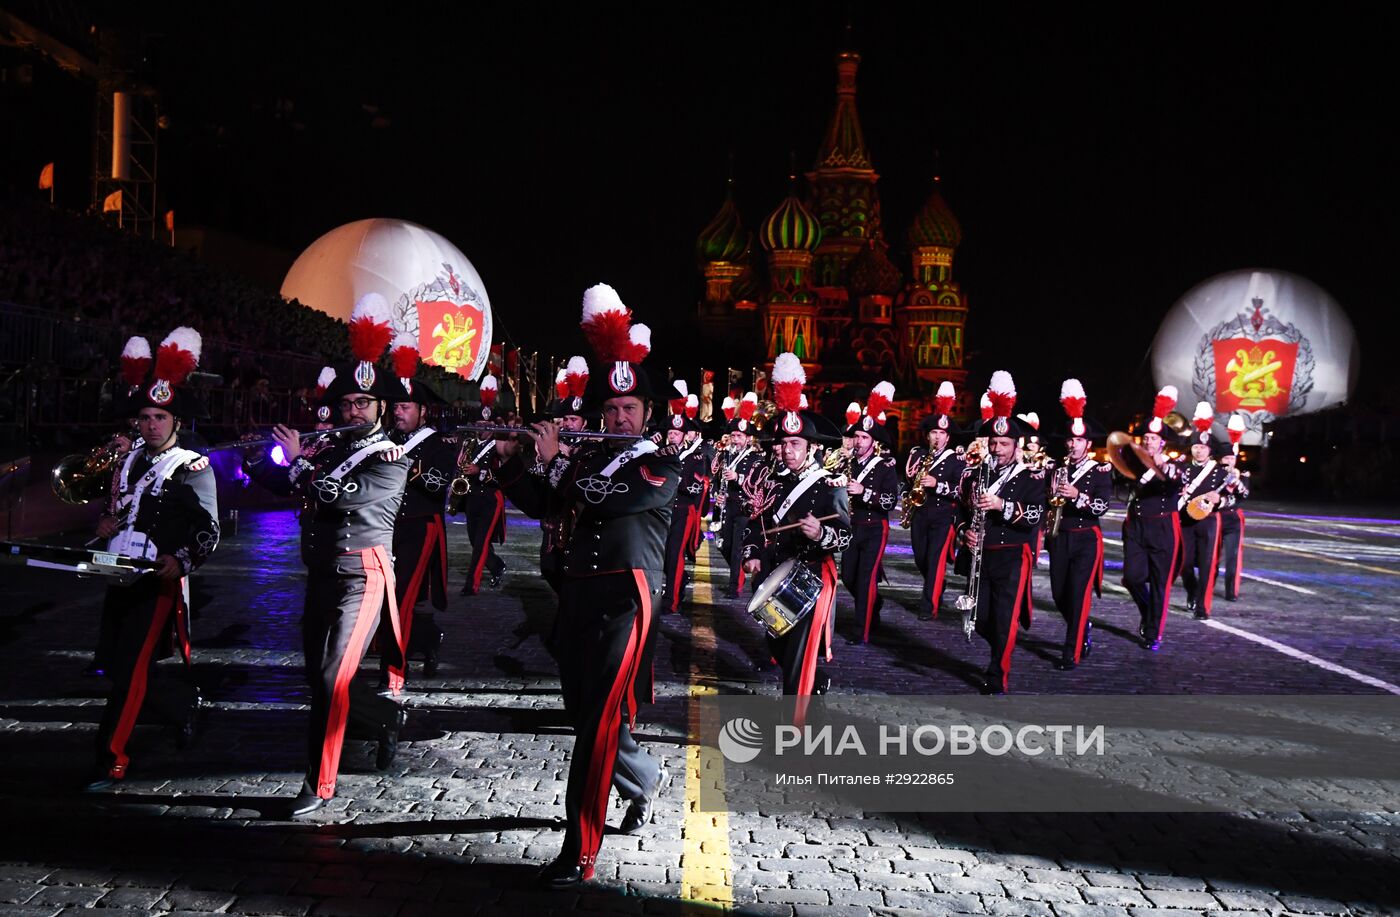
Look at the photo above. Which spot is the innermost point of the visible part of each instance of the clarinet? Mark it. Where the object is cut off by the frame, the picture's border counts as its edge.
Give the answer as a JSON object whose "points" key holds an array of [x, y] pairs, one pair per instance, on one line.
{"points": [[967, 602]]}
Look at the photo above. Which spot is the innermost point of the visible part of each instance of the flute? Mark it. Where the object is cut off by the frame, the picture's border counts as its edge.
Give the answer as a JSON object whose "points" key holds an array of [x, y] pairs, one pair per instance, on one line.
{"points": [[268, 441]]}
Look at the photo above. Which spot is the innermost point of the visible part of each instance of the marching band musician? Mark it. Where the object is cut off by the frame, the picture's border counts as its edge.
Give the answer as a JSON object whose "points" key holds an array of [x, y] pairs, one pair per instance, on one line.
{"points": [[1152, 529], [932, 525], [734, 468], [1014, 504], [1236, 490], [816, 521], [622, 495], [1084, 488], [556, 519], [420, 533], [484, 505], [873, 490], [1034, 455], [683, 539], [351, 487], [163, 508], [1203, 481]]}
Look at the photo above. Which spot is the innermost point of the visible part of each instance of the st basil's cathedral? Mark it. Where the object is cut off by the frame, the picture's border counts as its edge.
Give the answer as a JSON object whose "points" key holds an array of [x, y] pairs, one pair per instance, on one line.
{"points": [[825, 286]]}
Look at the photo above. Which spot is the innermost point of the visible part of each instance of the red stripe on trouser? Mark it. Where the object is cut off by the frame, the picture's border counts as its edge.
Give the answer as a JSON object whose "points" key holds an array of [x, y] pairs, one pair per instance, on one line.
{"points": [[379, 588], [644, 590], [695, 545], [1015, 616], [486, 542], [1210, 571], [873, 588], [936, 594], [1239, 557], [182, 626], [593, 807], [821, 615], [166, 600], [1089, 594], [1029, 607], [433, 537], [1171, 576], [692, 521]]}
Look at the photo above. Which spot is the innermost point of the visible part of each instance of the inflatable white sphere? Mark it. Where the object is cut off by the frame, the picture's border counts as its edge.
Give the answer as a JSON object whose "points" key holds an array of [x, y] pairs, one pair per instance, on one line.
{"points": [[435, 293], [1258, 343]]}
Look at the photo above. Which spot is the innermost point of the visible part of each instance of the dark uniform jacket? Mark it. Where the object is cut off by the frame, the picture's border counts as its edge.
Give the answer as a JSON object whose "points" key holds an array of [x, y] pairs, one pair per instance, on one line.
{"points": [[1095, 483], [432, 466], [695, 478], [734, 494], [1017, 522], [352, 514], [182, 520], [819, 499], [881, 483], [948, 475], [620, 520], [1234, 494], [1213, 480], [1157, 495]]}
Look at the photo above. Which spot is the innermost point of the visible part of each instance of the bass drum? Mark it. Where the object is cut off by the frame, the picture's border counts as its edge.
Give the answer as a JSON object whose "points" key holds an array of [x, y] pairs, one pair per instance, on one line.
{"points": [[786, 597]]}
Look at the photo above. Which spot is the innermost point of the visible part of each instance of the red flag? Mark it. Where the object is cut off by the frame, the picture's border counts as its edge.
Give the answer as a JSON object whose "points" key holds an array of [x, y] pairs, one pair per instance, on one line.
{"points": [[169, 221], [46, 178]]}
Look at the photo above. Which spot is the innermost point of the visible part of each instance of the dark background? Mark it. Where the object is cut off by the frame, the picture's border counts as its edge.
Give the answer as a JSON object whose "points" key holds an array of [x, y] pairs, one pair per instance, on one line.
{"points": [[1101, 161]]}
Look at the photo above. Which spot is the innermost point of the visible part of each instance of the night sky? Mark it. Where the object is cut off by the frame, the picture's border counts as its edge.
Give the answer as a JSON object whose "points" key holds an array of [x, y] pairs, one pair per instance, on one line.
{"points": [[1101, 161]]}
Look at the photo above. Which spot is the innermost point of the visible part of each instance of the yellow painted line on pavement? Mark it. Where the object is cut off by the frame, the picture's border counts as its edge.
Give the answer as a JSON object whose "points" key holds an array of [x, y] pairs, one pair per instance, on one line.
{"points": [[707, 880]]}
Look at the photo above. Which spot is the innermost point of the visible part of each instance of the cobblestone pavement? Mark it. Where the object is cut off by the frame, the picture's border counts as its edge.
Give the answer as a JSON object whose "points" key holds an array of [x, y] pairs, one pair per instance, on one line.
{"points": [[473, 802]]}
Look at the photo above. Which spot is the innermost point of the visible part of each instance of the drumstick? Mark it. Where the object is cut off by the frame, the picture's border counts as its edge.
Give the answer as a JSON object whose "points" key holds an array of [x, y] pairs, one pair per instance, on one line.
{"points": [[796, 525]]}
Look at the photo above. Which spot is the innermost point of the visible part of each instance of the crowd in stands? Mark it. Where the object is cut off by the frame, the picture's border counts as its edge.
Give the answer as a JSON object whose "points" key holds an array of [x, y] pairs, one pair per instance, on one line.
{"points": [[73, 289]]}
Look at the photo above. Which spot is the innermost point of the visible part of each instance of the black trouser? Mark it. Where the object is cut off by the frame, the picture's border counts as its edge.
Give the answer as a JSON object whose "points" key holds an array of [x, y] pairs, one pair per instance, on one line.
{"points": [[343, 603], [1232, 549], [138, 621], [1076, 557], [685, 528], [1003, 586], [932, 537], [420, 569], [1200, 555], [860, 570], [732, 532], [603, 624], [1150, 549], [486, 519]]}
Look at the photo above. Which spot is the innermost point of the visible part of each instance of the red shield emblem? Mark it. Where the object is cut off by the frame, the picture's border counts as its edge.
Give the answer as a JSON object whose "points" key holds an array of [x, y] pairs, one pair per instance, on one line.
{"points": [[1254, 375], [449, 335]]}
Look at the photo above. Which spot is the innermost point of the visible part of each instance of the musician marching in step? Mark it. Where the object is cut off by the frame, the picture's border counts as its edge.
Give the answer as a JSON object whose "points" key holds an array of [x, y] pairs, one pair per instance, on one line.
{"points": [[1152, 528], [1080, 491], [1033, 455], [683, 539], [484, 504], [1203, 481], [872, 487], [1235, 492], [621, 495], [933, 472], [351, 486], [420, 531], [801, 518], [163, 509], [734, 466], [1011, 499]]}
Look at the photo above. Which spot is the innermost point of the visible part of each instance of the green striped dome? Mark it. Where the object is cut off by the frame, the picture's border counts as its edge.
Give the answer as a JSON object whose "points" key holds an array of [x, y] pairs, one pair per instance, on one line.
{"points": [[723, 238], [935, 225], [791, 227]]}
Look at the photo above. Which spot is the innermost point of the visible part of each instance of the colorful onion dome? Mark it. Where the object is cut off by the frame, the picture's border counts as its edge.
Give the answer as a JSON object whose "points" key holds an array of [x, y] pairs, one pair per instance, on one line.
{"points": [[723, 238], [935, 226], [791, 227]]}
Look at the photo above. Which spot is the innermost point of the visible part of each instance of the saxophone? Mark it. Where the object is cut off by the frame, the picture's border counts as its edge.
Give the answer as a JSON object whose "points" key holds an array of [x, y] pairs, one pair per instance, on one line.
{"points": [[967, 602], [1057, 502], [914, 497]]}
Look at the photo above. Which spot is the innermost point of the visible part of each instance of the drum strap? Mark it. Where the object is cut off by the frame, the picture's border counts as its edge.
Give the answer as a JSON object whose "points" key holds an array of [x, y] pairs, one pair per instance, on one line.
{"points": [[813, 475]]}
